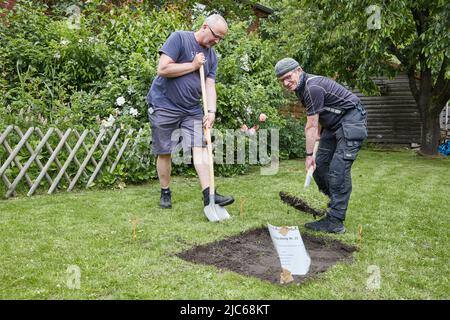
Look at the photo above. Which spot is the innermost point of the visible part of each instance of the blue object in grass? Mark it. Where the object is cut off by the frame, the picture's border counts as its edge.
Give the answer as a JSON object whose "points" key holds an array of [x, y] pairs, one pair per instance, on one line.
{"points": [[445, 148]]}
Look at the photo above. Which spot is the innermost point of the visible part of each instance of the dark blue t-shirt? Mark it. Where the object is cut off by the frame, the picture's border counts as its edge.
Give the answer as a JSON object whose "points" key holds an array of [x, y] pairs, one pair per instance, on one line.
{"points": [[182, 92], [318, 92]]}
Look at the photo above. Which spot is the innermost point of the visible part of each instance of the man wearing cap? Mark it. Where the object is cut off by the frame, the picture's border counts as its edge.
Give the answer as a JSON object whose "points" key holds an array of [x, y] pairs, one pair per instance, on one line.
{"points": [[335, 116], [174, 102]]}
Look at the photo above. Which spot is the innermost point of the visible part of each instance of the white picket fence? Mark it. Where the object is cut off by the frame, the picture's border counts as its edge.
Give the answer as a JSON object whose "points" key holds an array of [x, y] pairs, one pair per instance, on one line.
{"points": [[27, 155]]}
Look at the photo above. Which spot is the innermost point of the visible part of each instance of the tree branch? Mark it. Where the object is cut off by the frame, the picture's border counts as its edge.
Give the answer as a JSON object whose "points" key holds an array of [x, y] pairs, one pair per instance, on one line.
{"points": [[413, 84], [418, 19], [440, 80], [396, 51], [442, 97]]}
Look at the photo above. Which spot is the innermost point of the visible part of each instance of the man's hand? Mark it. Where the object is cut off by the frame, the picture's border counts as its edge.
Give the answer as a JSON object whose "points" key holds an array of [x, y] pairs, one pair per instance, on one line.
{"points": [[208, 120], [199, 60], [310, 162]]}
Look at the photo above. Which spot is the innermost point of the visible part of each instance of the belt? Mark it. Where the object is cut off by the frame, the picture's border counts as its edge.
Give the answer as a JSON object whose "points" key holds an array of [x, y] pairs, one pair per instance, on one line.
{"points": [[339, 111]]}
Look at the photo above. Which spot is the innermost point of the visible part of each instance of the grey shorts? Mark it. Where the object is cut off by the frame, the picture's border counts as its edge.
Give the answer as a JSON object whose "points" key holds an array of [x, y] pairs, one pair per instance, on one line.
{"points": [[172, 127]]}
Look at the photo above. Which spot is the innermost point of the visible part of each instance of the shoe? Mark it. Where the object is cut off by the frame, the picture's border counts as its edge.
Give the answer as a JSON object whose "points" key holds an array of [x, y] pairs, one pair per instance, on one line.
{"points": [[328, 224], [218, 198], [166, 199]]}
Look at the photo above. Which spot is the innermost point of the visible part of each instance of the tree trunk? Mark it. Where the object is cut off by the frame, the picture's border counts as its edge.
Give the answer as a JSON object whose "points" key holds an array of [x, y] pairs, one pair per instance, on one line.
{"points": [[430, 133]]}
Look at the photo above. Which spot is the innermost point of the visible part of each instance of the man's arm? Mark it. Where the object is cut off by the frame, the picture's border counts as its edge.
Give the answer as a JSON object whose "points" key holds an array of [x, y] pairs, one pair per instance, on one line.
{"points": [[211, 98], [311, 132], [311, 136], [168, 68], [211, 94]]}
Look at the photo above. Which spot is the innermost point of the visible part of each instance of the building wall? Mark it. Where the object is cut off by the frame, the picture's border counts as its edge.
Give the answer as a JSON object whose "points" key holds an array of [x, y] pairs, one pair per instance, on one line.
{"points": [[393, 117]]}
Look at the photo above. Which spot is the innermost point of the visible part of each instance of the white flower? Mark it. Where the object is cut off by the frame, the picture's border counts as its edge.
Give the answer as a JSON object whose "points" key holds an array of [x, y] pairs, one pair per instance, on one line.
{"points": [[199, 7], [108, 123], [131, 90], [57, 55], [198, 10], [123, 77], [120, 101], [80, 41], [248, 109], [64, 42], [109, 84], [245, 63], [134, 112]]}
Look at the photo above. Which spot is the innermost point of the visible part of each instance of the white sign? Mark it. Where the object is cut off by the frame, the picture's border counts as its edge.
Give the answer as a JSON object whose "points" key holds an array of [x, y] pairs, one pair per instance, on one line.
{"points": [[290, 248]]}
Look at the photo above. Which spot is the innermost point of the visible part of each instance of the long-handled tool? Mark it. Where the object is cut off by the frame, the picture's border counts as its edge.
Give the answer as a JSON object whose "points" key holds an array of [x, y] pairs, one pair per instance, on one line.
{"points": [[311, 169], [213, 211]]}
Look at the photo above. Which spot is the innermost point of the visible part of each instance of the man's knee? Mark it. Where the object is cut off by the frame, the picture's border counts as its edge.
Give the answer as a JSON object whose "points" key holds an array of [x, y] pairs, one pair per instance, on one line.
{"points": [[164, 156]]}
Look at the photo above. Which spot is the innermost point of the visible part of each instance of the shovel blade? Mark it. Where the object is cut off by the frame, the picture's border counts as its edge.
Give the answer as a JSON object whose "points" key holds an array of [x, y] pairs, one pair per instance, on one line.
{"points": [[307, 181], [308, 177], [222, 213], [210, 213]]}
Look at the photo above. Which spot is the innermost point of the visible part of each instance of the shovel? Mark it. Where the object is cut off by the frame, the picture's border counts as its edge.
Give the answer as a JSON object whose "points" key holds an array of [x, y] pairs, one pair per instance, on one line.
{"points": [[213, 211], [311, 169]]}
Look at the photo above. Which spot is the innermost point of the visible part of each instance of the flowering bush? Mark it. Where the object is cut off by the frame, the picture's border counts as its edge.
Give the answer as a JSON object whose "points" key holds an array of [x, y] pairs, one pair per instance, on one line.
{"points": [[246, 85], [98, 73]]}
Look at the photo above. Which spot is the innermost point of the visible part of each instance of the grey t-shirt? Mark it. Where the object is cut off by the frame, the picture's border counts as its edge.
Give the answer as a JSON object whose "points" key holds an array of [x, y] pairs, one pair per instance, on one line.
{"points": [[318, 92], [184, 92]]}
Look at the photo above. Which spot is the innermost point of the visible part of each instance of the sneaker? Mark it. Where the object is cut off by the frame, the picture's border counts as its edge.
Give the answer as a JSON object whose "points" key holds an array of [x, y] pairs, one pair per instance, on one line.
{"points": [[218, 198], [166, 199], [328, 224]]}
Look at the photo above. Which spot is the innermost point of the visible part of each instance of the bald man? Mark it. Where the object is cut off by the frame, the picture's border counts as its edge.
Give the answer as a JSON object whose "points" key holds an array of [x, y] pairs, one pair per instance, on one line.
{"points": [[174, 102]]}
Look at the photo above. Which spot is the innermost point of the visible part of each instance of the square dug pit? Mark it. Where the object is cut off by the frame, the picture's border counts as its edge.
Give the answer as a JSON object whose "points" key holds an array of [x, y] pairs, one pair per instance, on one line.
{"points": [[252, 253]]}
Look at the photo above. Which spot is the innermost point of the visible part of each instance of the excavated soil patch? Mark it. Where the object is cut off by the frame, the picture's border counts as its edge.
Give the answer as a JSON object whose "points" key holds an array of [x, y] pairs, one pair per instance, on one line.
{"points": [[252, 254]]}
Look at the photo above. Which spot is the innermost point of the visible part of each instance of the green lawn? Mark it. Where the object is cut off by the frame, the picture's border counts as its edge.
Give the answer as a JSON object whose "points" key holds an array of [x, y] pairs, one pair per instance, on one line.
{"points": [[401, 200]]}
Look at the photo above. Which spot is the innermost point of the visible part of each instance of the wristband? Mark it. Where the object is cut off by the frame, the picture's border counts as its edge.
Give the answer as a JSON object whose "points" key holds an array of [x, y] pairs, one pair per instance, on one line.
{"points": [[211, 111], [309, 154]]}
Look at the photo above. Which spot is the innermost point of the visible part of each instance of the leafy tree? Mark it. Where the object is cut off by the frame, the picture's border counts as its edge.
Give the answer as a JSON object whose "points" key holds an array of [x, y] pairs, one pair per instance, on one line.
{"points": [[357, 40]]}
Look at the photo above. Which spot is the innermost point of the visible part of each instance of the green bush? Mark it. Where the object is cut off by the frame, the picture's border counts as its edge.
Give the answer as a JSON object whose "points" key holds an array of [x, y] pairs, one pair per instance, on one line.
{"points": [[246, 85], [292, 139], [99, 74], [71, 77]]}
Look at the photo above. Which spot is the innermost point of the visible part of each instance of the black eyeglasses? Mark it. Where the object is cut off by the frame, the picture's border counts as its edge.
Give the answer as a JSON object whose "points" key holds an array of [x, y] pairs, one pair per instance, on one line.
{"points": [[215, 35]]}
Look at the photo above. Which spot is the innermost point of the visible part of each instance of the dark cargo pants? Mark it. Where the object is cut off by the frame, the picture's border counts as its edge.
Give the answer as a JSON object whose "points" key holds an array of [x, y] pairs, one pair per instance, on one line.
{"points": [[338, 149]]}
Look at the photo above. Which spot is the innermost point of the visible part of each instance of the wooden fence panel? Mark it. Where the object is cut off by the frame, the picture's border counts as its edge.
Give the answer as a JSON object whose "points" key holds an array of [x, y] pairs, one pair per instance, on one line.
{"points": [[22, 157]]}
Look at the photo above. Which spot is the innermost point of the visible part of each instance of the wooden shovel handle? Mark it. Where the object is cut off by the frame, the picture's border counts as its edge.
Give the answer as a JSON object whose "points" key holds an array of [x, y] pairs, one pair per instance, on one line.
{"points": [[207, 133]]}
